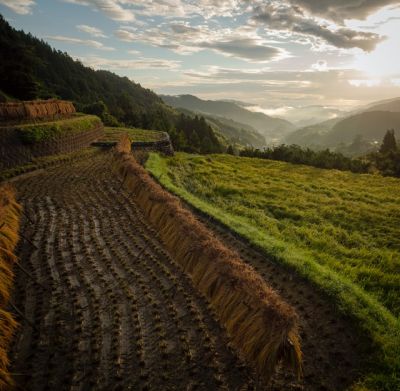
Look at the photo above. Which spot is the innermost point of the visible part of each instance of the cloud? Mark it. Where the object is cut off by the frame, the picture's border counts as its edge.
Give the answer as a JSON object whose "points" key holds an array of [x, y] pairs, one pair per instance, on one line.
{"points": [[301, 18], [125, 35], [320, 65], [245, 48], [340, 10], [279, 16], [140, 63], [78, 41], [110, 8], [365, 82], [382, 22], [184, 8], [94, 31], [184, 39], [270, 88], [21, 7]]}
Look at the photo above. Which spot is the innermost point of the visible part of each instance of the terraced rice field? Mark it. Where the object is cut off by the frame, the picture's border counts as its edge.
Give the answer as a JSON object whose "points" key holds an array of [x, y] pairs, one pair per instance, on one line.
{"points": [[110, 308], [105, 307], [135, 134]]}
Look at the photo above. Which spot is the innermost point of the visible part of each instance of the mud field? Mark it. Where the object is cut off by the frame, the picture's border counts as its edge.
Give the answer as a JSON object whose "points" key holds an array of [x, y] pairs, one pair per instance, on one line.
{"points": [[112, 310], [334, 352], [106, 308]]}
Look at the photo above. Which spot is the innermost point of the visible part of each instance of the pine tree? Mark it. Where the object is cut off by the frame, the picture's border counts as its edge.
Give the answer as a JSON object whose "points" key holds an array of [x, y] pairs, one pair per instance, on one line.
{"points": [[389, 142]]}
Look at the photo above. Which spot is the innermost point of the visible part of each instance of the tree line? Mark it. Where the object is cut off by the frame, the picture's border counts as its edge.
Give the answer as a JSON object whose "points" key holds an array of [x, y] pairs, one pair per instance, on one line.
{"points": [[386, 161]]}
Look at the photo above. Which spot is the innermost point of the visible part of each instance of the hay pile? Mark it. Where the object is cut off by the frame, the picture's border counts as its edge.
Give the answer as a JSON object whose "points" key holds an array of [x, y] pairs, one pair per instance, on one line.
{"points": [[35, 109], [262, 327], [10, 212]]}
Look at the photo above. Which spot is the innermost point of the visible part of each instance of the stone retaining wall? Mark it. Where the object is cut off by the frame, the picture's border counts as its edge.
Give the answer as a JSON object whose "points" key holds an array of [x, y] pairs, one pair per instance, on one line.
{"points": [[13, 152]]}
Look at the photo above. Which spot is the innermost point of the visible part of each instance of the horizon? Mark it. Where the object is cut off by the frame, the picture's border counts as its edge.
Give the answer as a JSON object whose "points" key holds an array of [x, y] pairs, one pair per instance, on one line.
{"points": [[277, 57]]}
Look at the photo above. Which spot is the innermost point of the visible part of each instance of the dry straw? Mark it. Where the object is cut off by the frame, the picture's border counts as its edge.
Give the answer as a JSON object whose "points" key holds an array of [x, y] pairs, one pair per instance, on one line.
{"points": [[35, 109], [10, 212], [262, 327]]}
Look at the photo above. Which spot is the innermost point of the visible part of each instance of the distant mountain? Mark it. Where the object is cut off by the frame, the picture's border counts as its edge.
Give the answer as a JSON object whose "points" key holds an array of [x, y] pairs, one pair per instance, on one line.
{"points": [[310, 115], [372, 125], [369, 122], [237, 133], [273, 129], [313, 135], [392, 104], [232, 132]]}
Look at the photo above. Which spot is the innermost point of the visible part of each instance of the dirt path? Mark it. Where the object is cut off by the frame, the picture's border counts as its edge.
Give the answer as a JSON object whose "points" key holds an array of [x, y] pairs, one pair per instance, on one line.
{"points": [[111, 309], [333, 349]]}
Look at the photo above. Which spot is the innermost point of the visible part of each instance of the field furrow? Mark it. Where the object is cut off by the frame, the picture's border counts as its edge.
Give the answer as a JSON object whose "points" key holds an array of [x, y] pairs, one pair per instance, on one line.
{"points": [[105, 306]]}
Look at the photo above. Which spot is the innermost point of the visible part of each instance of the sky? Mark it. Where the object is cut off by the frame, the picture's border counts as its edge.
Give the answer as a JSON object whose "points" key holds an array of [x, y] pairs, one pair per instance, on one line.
{"points": [[275, 55]]}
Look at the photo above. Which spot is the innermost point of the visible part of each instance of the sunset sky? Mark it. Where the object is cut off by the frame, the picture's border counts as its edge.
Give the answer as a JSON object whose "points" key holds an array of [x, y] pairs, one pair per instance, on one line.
{"points": [[275, 55]]}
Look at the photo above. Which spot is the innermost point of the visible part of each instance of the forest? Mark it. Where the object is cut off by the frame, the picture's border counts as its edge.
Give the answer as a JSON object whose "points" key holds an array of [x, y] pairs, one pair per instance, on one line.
{"points": [[34, 70]]}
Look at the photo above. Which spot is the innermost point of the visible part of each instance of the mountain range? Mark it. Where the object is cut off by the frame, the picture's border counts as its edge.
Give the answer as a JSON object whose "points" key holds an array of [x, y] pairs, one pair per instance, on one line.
{"points": [[368, 123], [273, 129]]}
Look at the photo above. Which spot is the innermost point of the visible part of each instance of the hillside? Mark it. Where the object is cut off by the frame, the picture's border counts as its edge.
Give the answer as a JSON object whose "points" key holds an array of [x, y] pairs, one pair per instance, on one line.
{"points": [[35, 70], [236, 133], [312, 135], [231, 132], [383, 105], [317, 222], [368, 123], [272, 129], [372, 125]]}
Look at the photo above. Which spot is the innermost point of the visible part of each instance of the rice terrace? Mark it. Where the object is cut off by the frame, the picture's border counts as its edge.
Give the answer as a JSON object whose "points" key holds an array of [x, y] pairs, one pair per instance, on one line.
{"points": [[245, 239]]}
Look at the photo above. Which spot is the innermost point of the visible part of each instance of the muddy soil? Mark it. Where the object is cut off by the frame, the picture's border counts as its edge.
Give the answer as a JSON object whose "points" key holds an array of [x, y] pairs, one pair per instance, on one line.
{"points": [[335, 351], [110, 308], [106, 307]]}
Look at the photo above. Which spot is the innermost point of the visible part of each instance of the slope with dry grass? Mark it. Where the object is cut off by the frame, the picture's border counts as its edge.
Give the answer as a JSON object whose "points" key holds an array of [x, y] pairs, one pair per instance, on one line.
{"points": [[9, 224]]}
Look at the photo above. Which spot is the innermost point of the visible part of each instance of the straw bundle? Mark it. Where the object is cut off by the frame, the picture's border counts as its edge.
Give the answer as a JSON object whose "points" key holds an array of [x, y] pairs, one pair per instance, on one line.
{"points": [[35, 109], [9, 224], [261, 326]]}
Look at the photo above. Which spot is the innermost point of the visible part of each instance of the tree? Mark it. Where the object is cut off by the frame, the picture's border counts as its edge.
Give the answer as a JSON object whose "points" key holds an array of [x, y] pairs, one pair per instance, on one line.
{"points": [[389, 142], [230, 150]]}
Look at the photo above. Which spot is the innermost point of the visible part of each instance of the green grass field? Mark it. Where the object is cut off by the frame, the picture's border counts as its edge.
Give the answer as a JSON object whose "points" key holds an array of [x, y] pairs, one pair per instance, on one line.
{"points": [[339, 230], [49, 130], [135, 134]]}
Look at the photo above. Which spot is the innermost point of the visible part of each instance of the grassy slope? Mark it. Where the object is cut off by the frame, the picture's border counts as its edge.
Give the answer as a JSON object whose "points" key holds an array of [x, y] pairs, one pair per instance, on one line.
{"points": [[135, 134], [46, 131], [339, 230]]}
